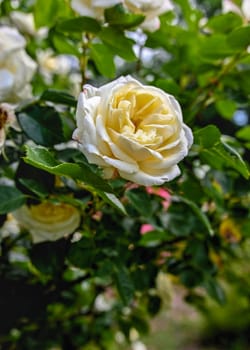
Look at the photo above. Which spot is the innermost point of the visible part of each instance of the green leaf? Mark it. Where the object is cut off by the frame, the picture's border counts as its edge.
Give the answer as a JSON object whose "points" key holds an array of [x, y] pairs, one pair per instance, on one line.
{"points": [[215, 47], [10, 199], [34, 186], [153, 238], [41, 124], [62, 44], [117, 16], [208, 136], [104, 59], [58, 96], [48, 257], [197, 252], [176, 224], [217, 153], [224, 23], [45, 15], [168, 85], [79, 25], [197, 211], [82, 253], [191, 277], [140, 201], [139, 321], [118, 43], [244, 133], [239, 38], [41, 158], [124, 284], [233, 159], [215, 291], [190, 14], [226, 108], [30, 180], [113, 200]]}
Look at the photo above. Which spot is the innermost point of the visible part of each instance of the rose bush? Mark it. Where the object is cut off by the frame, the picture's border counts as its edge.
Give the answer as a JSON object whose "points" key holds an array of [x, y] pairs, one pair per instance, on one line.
{"points": [[132, 129], [48, 221], [16, 67], [98, 258]]}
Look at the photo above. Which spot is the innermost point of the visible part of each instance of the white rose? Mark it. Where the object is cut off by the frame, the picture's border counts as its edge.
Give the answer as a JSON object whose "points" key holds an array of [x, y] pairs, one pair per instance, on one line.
{"points": [[23, 21], [50, 64], [230, 6], [132, 129], [150, 9], [48, 221], [92, 8], [16, 67]]}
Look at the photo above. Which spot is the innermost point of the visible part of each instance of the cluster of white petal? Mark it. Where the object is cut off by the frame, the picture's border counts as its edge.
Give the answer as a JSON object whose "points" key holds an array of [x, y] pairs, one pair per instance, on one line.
{"points": [[16, 66], [132, 129]]}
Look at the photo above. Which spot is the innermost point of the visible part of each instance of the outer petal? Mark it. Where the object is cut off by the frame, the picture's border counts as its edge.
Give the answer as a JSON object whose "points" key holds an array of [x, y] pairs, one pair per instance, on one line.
{"points": [[145, 179], [10, 40], [6, 83], [135, 150], [84, 8], [189, 135], [105, 3]]}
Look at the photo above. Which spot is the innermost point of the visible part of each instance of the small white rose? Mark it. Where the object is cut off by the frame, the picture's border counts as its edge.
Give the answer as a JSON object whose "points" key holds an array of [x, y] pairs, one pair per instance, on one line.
{"points": [[48, 221], [133, 129], [16, 67], [50, 64], [24, 22], [151, 10], [231, 6], [92, 8]]}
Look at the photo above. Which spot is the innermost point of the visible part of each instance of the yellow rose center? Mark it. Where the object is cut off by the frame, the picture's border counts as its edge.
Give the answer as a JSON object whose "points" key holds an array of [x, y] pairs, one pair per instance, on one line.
{"points": [[141, 115], [49, 213]]}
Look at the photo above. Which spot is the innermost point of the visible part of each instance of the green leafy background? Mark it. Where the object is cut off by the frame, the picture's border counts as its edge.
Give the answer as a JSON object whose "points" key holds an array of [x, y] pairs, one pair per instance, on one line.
{"points": [[48, 291]]}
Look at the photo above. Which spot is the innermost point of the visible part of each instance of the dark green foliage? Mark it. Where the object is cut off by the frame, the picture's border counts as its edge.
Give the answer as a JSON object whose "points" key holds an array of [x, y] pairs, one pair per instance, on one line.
{"points": [[79, 291]]}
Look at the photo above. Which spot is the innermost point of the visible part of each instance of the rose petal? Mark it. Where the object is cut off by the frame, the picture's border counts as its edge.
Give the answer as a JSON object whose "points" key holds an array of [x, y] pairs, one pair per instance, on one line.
{"points": [[121, 166], [133, 149], [146, 179]]}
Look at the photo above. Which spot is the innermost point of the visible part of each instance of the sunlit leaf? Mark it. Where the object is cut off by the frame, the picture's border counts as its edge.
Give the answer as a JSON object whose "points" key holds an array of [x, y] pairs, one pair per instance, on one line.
{"points": [[103, 58], [41, 158], [118, 43]]}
